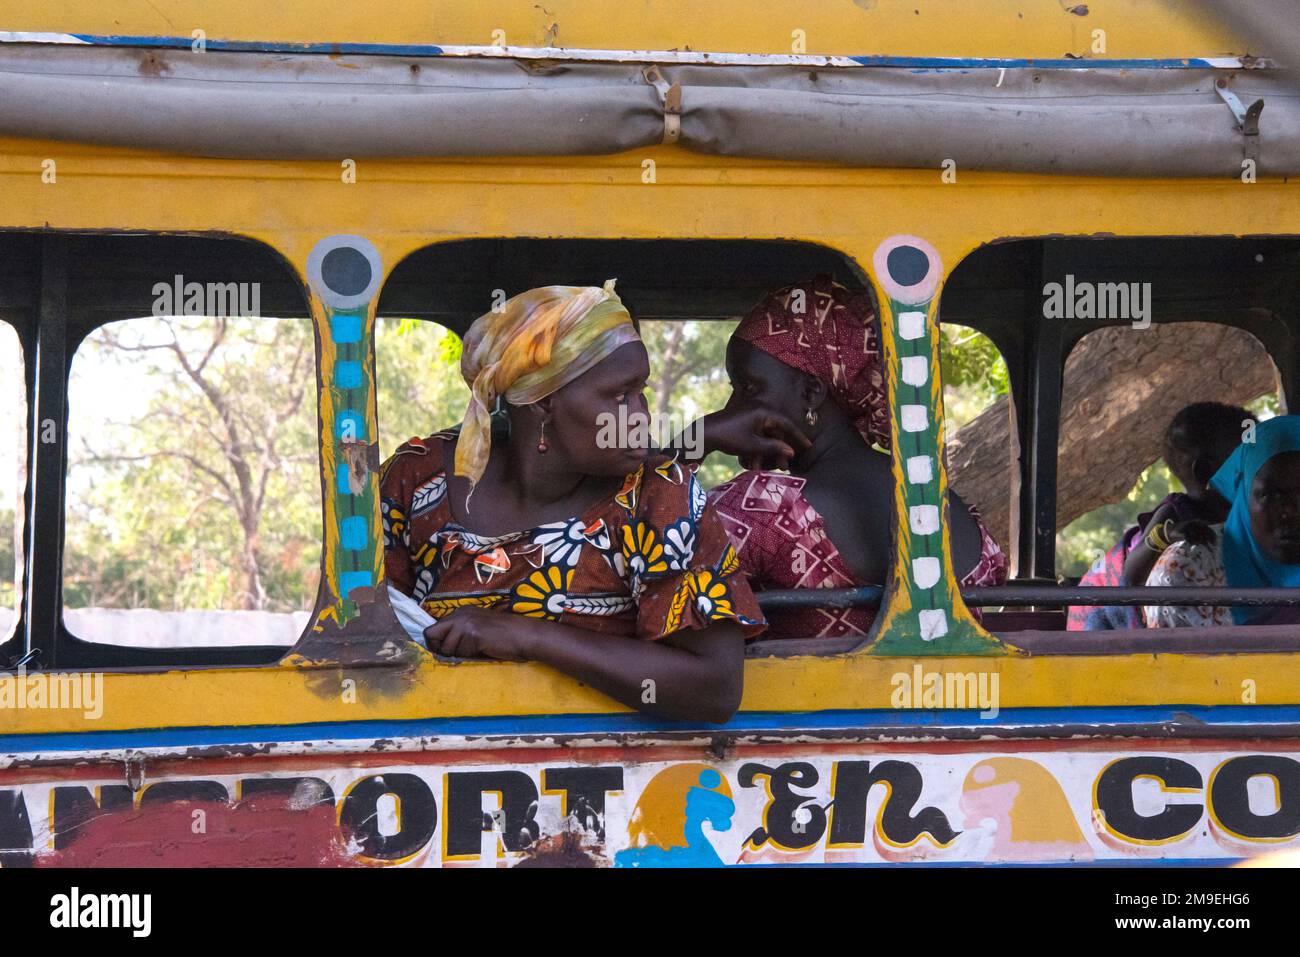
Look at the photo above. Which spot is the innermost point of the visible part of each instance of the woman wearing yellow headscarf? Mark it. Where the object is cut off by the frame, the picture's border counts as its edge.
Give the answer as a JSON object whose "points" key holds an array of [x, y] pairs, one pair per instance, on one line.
{"points": [[560, 540]]}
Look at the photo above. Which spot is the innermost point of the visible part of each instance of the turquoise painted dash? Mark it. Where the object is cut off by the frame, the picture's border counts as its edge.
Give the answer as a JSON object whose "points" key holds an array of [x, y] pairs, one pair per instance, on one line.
{"points": [[349, 425], [347, 374], [353, 533], [345, 327]]}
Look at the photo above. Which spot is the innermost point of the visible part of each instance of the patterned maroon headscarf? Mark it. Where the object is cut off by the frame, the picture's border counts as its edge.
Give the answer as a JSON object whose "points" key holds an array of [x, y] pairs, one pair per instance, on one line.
{"points": [[834, 337]]}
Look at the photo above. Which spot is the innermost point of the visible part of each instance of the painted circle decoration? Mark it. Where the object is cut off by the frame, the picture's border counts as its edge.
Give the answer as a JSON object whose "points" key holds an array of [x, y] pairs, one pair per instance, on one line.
{"points": [[345, 271], [908, 269]]}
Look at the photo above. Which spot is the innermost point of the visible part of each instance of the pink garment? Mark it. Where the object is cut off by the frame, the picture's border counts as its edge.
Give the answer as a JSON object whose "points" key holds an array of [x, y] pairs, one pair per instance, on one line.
{"points": [[782, 542]]}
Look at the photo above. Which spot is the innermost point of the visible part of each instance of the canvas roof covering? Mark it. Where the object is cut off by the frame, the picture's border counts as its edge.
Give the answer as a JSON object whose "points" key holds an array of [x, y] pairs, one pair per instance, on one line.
{"points": [[1153, 122]]}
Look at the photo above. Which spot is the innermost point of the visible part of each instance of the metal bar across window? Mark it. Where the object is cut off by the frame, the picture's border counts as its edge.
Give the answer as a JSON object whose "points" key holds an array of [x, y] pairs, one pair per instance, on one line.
{"points": [[1017, 595]]}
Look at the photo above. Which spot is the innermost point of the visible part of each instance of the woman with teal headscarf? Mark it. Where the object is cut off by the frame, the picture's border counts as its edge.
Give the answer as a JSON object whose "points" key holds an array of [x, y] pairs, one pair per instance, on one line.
{"points": [[1259, 544]]}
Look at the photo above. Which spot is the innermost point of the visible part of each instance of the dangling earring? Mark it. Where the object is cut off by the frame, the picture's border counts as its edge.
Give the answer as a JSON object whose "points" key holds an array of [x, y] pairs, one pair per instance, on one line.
{"points": [[810, 416], [542, 447]]}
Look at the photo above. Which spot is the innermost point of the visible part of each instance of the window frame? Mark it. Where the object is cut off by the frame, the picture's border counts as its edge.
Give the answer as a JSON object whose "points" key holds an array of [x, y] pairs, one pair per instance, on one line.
{"points": [[1036, 350], [397, 299], [16, 317], [67, 308]]}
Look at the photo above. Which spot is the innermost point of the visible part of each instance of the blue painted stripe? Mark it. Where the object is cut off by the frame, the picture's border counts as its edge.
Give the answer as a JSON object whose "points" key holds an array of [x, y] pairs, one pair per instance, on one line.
{"points": [[1020, 63], [344, 484], [1227, 716], [910, 62], [258, 46]]}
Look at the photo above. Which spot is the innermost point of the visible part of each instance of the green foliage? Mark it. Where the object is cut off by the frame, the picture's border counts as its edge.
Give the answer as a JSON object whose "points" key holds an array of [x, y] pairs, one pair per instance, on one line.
{"points": [[1266, 406], [974, 373], [7, 559], [1081, 542], [689, 379], [420, 386], [159, 515]]}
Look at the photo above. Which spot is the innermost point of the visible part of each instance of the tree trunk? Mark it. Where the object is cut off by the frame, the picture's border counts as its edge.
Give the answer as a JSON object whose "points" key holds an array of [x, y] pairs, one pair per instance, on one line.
{"points": [[669, 370], [1122, 387], [254, 598]]}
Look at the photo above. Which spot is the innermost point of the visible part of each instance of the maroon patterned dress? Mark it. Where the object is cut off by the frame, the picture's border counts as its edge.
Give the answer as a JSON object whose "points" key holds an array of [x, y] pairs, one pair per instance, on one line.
{"points": [[782, 542]]}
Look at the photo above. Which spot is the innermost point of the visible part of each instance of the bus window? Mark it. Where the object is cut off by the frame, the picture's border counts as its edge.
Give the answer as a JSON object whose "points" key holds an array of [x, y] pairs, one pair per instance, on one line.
{"points": [[1123, 387], [689, 379], [1191, 404], [977, 419], [420, 389], [1106, 341], [13, 475], [193, 495], [687, 298]]}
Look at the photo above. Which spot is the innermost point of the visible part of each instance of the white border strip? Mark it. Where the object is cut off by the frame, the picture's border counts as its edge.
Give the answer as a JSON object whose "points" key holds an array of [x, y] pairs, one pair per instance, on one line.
{"points": [[643, 56]]}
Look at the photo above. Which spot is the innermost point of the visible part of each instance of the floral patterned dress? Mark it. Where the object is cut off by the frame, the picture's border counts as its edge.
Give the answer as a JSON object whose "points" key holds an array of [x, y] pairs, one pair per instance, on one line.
{"points": [[1183, 565], [1108, 570], [646, 562], [783, 543]]}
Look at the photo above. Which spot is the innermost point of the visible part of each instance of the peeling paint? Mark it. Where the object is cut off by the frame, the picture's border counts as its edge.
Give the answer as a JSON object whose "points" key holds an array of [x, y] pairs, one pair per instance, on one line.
{"points": [[569, 848], [265, 832], [753, 803]]}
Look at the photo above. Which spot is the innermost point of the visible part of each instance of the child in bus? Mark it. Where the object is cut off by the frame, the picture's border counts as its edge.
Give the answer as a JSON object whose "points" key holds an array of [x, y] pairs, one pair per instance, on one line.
{"points": [[1258, 546], [1195, 445]]}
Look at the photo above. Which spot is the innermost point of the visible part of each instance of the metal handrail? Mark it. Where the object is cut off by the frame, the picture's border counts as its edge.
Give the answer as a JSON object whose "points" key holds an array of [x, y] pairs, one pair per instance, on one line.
{"points": [[1055, 595]]}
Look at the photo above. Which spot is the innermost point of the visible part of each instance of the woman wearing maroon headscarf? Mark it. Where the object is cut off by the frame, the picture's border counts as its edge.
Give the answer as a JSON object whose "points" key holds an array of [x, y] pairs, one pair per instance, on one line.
{"points": [[808, 395]]}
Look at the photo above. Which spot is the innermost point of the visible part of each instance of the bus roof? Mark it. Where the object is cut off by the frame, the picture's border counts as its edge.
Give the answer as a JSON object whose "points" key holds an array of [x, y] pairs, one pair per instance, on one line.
{"points": [[1142, 88]]}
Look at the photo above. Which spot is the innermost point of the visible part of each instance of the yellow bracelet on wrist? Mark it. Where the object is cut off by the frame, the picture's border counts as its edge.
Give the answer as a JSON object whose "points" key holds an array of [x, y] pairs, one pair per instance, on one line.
{"points": [[1158, 539]]}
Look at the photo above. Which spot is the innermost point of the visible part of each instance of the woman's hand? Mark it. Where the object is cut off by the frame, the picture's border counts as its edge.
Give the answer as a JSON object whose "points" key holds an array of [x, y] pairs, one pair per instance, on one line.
{"points": [[760, 439], [1192, 532], [482, 633]]}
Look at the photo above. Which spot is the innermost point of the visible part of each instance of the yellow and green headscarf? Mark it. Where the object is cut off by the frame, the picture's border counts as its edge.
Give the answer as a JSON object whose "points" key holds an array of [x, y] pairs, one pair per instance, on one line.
{"points": [[536, 343]]}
